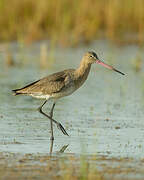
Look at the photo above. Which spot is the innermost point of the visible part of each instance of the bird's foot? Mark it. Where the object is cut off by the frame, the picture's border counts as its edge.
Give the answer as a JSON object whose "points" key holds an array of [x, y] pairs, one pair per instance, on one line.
{"points": [[62, 129]]}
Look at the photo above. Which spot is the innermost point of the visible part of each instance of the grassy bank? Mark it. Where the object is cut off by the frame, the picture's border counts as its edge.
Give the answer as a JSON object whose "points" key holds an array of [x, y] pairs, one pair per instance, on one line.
{"points": [[32, 167], [72, 22]]}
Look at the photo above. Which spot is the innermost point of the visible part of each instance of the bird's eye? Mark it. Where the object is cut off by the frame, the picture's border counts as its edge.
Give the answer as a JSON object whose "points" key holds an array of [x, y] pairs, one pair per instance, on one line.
{"points": [[91, 56]]}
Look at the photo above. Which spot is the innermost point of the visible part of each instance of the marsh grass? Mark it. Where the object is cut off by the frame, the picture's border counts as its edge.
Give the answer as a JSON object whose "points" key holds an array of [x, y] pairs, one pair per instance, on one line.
{"points": [[31, 167], [72, 22], [137, 63], [43, 56], [47, 55], [45, 167], [9, 61]]}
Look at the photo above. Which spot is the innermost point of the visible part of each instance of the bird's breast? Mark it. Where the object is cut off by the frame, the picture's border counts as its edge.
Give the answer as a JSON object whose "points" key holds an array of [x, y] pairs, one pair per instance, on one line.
{"points": [[79, 81]]}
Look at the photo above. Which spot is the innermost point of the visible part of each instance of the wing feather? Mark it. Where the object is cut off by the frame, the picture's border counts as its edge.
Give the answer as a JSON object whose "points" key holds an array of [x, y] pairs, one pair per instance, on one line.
{"points": [[47, 85]]}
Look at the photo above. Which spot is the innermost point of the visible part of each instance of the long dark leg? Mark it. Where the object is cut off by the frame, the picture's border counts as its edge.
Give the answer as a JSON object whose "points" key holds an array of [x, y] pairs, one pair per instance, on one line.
{"points": [[51, 112], [57, 123], [51, 115]]}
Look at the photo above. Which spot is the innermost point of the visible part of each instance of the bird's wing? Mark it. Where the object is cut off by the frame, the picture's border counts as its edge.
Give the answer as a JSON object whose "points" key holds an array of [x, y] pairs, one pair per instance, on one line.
{"points": [[48, 85]]}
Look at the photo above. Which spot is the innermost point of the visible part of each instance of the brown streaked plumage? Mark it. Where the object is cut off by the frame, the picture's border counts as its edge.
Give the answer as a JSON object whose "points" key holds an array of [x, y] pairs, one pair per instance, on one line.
{"points": [[61, 84]]}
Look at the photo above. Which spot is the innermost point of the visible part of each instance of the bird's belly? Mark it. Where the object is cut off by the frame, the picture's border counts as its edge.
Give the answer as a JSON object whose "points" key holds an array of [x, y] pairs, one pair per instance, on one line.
{"points": [[66, 92], [41, 96]]}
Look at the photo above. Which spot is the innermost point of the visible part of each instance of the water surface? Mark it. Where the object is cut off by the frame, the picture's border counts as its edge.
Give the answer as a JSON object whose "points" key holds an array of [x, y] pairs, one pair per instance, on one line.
{"points": [[104, 117]]}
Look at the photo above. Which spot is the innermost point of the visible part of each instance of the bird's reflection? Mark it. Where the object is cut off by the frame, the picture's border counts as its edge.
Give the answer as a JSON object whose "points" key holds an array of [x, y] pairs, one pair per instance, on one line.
{"points": [[51, 146], [62, 150]]}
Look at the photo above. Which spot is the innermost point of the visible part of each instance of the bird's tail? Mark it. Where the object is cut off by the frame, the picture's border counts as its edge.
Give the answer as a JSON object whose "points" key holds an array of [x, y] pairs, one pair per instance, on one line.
{"points": [[16, 92], [23, 90]]}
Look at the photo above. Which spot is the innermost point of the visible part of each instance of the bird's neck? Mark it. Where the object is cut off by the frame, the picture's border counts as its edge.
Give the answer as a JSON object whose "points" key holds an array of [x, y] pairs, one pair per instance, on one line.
{"points": [[81, 73]]}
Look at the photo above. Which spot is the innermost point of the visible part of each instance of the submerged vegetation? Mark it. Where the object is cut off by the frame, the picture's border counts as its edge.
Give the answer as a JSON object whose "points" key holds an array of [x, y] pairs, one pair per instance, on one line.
{"points": [[72, 22]]}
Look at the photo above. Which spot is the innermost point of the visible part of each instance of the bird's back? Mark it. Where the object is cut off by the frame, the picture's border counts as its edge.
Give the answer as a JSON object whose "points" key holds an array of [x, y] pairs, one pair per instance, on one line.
{"points": [[49, 85]]}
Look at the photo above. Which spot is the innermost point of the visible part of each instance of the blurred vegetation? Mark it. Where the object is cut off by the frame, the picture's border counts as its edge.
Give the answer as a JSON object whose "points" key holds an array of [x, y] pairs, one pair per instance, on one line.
{"points": [[137, 63], [35, 166], [72, 22]]}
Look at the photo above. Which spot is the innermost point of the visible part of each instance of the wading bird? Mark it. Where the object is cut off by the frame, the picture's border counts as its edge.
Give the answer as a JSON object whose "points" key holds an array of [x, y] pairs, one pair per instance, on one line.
{"points": [[61, 84]]}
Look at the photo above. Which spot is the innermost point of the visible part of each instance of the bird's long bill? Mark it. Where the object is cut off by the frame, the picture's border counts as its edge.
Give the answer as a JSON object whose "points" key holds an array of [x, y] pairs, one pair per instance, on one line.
{"points": [[109, 67]]}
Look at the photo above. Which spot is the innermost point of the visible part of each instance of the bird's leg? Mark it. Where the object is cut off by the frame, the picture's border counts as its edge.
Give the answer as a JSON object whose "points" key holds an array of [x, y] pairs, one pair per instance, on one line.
{"points": [[51, 112], [51, 115], [57, 123], [40, 110], [51, 148]]}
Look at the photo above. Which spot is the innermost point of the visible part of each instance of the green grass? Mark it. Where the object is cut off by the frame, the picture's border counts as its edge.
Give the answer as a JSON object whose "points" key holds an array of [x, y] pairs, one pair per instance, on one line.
{"points": [[72, 22]]}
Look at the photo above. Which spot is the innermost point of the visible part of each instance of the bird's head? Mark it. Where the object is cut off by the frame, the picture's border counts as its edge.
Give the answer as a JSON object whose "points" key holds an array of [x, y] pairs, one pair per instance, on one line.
{"points": [[91, 57]]}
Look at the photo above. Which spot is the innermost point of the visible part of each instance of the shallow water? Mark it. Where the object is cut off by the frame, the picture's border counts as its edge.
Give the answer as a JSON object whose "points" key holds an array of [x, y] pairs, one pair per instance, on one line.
{"points": [[104, 117]]}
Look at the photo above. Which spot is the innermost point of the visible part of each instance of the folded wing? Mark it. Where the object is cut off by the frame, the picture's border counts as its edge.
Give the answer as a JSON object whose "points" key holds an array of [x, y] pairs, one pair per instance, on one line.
{"points": [[48, 85]]}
